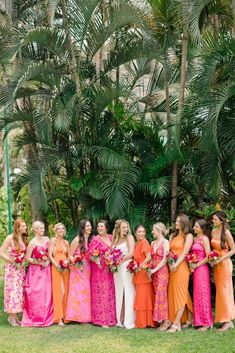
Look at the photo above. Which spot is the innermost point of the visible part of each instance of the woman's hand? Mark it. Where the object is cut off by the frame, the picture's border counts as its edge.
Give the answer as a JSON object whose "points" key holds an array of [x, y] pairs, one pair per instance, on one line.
{"points": [[193, 266], [11, 260], [173, 268], [45, 263]]}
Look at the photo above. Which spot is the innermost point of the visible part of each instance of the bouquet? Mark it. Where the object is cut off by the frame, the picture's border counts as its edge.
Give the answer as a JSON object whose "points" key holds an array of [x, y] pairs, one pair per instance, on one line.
{"points": [[171, 258], [41, 255], [148, 267], [79, 261], [96, 256], [19, 260], [113, 258], [64, 265], [213, 255], [191, 258], [133, 267]]}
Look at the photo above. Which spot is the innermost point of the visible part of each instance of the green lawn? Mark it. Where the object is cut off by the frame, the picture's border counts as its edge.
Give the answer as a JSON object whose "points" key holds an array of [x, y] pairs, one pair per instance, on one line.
{"points": [[76, 338]]}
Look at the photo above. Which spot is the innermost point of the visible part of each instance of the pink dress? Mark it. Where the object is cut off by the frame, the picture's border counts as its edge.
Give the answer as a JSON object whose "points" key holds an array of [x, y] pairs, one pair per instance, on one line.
{"points": [[79, 298], [160, 285], [201, 288], [14, 283], [103, 306], [38, 310]]}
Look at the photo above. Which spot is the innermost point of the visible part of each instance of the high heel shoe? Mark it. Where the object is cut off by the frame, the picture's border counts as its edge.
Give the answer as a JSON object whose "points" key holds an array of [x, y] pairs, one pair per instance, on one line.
{"points": [[187, 324], [12, 322], [174, 328]]}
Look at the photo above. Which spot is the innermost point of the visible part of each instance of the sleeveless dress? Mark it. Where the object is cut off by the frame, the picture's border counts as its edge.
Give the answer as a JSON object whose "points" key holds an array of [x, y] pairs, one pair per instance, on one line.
{"points": [[60, 281], [178, 294], [160, 285], [124, 289], [224, 300], [201, 288], [38, 310], [79, 298], [102, 287], [144, 296], [14, 282]]}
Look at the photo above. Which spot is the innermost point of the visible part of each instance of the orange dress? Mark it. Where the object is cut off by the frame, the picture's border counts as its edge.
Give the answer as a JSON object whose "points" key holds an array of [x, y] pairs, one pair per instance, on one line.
{"points": [[60, 281], [178, 294], [144, 297], [224, 300]]}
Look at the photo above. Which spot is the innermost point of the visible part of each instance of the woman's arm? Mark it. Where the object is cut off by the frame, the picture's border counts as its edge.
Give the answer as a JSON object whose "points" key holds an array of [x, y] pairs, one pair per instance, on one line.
{"points": [[230, 241], [207, 248], [187, 247], [29, 251], [131, 247], [51, 251], [4, 247], [163, 262], [73, 247]]}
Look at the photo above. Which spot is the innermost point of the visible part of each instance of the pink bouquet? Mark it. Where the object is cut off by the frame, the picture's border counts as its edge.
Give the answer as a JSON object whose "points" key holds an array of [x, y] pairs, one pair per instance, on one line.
{"points": [[19, 259], [96, 256], [171, 258], [213, 255], [113, 258], [40, 255], [191, 258], [79, 261], [64, 265], [133, 267]]}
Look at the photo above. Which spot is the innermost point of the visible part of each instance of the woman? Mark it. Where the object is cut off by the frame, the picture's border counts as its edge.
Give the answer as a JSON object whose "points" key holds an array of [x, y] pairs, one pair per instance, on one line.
{"points": [[58, 250], [14, 272], [38, 310], [222, 241], [124, 288], [144, 296], [179, 301], [79, 299], [201, 277], [160, 275], [102, 284]]}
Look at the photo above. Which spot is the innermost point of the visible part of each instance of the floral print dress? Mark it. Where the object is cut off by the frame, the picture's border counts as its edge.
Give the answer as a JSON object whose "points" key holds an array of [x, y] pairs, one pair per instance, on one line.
{"points": [[14, 282]]}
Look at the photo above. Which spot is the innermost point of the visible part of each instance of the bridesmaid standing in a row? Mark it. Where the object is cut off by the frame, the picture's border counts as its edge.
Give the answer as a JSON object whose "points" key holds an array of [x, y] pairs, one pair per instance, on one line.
{"points": [[79, 299], [16, 244], [222, 241], [58, 250], [103, 311], [38, 310]]}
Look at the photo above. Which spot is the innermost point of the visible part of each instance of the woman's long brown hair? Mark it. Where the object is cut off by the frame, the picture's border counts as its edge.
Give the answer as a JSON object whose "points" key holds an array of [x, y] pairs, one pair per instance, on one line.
{"points": [[223, 218], [81, 237], [184, 224], [16, 234]]}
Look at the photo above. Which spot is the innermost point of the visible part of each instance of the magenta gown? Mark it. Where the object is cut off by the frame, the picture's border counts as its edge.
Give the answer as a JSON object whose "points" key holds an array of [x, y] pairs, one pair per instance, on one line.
{"points": [[201, 288], [103, 306], [79, 298], [38, 310]]}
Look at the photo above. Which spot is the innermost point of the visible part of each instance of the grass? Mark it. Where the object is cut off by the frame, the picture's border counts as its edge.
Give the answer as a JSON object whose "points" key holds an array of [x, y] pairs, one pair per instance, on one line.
{"points": [[75, 338]]}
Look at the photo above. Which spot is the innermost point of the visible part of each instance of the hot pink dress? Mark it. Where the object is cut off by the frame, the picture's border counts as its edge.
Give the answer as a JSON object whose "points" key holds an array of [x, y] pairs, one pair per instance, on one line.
{"points": [[38, 310], [14, 283], [79, 298], [103, 306], [160, 285], [201, 288]]}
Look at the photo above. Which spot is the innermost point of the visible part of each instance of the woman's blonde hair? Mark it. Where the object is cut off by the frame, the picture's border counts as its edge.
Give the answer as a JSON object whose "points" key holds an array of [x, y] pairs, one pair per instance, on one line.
{"points": [[57, 225], [161, 227], [36, 225], [117, 230]]}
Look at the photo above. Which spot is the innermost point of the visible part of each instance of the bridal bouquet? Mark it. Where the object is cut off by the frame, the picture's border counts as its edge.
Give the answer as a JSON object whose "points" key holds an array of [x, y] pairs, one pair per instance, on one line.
{"points": [[40, 255], [79, 261], [64, 265], [213, 255], [133, 267], [96, 256], [113, 258], [171, 258], [191, 258], [19, 260]]}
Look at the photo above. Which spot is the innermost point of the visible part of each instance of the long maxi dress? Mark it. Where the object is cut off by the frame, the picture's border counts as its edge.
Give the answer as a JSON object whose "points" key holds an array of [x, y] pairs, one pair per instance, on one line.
{"points": [[125, 291], [160, 285], [224, 300], [38, 310], [103, 312], [60, 281], [144, 296], [201, 288], [79, 298], [178, 294], [14, 282]]}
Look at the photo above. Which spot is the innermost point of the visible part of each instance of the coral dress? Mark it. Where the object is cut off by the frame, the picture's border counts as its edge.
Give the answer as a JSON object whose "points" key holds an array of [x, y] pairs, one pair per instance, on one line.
{"points": [[224, 300], [79, 299], [60, 281], [103, 306], [178, 294], [38, 310], [160, 285], [125, 291], [201, 288], [144, 297], [14, 283]]}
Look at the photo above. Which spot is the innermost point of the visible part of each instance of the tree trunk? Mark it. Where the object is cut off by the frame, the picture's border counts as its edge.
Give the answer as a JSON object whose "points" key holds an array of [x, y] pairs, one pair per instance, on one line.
{"points": [[183, 77]]}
